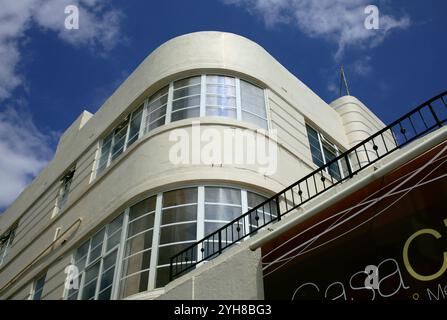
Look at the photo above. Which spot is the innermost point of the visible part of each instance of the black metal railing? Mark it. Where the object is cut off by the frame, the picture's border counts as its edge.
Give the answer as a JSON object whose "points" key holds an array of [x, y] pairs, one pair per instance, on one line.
{"points": [[424, 119]]}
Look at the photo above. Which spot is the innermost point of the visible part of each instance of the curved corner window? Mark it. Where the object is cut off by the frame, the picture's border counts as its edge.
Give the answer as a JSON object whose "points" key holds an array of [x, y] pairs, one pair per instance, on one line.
{"points": [[197, 96], [132, 253]]}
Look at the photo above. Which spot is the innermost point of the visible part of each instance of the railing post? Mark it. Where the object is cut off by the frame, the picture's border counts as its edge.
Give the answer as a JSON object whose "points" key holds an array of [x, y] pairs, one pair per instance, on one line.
{"points": [[348, 165], [438, 122], [220, 240], [278, 212]]}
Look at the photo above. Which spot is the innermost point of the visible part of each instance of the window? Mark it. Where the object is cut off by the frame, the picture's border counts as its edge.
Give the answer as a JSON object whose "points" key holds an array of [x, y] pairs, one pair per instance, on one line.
{"points": [[221, 206], [119, 139], [122, 137], [155, 229], [323, 151], [5, 243], [38, 288], [204, 95], [186, 99], [221, 96], [134, 126], [253, 104], [64, 191], [156, 109], [96, 260], [178, 228], [138, 248]]}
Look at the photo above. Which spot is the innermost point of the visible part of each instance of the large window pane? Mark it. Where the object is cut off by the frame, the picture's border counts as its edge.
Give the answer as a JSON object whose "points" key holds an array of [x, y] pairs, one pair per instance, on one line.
{"points": [[156, 123], [137, 262], [156, 111], [179, 214], [221, 112], [157, 114], [119, 139], [222, 80], [135, 125], [141, 208], [91, 277], [105, 153], [185, 114], [187, 82], [330, 154], [315, 149], [177, 233], [221, 96], [318, 142], [38, 287], [96, 245], [222, 90], [178, 197], [81, 255], [253, 103], [114, 232], [187, 102], [220, 101], [187, 91], [139, 243], [137, 255], [115, 225], [221, 212], [158, 100], [222, 195], [106, 280], [134, 284], [142, 224]]}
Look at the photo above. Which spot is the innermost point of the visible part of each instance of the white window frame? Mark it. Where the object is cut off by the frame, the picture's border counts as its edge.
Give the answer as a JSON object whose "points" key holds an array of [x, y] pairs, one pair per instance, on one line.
{"points": [[33, 287], [63, 191], [7, 244]]}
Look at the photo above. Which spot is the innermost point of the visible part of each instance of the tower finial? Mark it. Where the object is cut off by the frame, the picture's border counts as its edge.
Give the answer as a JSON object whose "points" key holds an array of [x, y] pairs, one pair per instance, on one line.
{"points": [[343, 82]]}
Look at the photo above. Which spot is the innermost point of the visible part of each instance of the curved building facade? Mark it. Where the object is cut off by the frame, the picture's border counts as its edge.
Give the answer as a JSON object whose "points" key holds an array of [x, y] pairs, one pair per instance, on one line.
{"points": [[170, 157]]}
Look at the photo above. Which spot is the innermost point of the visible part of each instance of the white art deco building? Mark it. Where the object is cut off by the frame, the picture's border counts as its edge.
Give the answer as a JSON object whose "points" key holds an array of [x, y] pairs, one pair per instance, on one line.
{"points": [[112, 202]]}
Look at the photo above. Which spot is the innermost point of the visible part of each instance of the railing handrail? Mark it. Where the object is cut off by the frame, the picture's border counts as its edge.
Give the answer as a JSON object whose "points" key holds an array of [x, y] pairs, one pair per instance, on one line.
{"points": [[322, 170]]}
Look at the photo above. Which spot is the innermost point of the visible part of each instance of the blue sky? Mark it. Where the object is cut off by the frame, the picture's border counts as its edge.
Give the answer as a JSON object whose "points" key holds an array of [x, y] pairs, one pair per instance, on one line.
{"points": [[48, 74]]}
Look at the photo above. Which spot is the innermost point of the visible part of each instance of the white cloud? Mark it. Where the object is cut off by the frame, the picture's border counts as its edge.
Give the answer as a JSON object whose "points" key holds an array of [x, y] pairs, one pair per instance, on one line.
{"points": [[24, 150], [340, 22], [99, 29], [362, 67]]}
